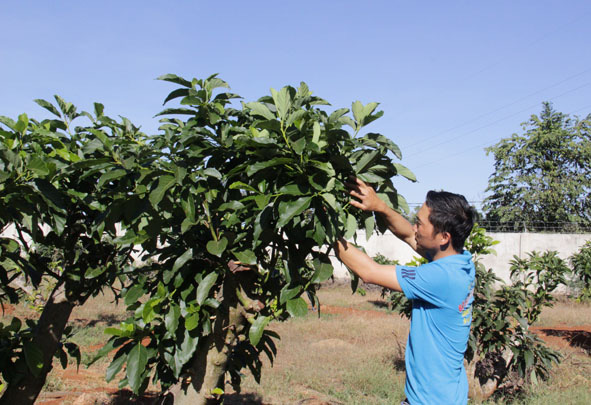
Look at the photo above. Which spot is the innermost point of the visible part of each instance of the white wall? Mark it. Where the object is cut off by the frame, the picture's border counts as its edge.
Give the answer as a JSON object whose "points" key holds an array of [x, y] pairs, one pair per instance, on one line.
{"points": [[510, 244]]}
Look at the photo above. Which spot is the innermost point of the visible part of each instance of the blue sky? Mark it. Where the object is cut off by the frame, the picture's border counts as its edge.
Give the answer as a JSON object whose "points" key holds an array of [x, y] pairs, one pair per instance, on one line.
{"points": [[452, 77]]}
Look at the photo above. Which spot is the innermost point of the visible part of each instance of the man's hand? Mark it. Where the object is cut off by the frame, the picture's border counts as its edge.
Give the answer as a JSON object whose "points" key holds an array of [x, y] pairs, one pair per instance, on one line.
{"points": [[368, 199]]}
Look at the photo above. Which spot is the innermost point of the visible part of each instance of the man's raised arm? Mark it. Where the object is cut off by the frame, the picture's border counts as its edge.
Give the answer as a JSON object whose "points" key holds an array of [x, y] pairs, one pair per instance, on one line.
{"points": [[368, 200]]}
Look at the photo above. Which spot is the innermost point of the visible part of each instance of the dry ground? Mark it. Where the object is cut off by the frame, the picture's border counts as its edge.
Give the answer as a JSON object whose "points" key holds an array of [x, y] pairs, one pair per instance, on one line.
{"points": [[353, 353]]}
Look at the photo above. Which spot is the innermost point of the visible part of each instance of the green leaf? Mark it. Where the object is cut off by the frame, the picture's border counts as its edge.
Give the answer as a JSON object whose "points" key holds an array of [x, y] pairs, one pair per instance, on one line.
{"points": [[204, 287], [241, 186], [529, 359], [289, 209], [22, 123], [322, 271], [366, 159], [171, 320], [176, 94], [266, 164], [211, 172], [115, 366], [246, 256], [316, 132], [257, 328], [370, 223], [261, 110], [218, 247], [137, 359], [50, 193], [288, 293], [192, 321], [350, 227], [262, 200], [39, 166], [188, 205], [297, 307], [164, 183], [534, 377], [405, 172], [299, 145], [91, 273], [111, 175], [331, 200], [357, 108], [48, 106], [33, 357], [186, 348], [175, 79], [63, 357], [370, 177], [282, 100], [106, 349], [181, 260], [133, 294]]}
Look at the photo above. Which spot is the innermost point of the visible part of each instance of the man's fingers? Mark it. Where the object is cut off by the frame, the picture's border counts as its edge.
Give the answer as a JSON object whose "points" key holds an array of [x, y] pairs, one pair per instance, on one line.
{"points": [[355, 194], [357, 204]]}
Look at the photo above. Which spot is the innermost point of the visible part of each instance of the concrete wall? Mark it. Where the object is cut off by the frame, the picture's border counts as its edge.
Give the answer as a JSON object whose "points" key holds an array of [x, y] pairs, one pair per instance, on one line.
{"points": [[510, 244]]}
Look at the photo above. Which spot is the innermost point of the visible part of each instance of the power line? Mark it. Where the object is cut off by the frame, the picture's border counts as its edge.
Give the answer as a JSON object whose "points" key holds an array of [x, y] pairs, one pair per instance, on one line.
{"points": [[497, 109], [479, 128]]}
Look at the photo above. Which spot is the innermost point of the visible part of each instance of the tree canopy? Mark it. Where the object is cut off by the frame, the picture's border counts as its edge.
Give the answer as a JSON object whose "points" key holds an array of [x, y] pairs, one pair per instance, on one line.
{"points": [[208, 230], [542, 177]]}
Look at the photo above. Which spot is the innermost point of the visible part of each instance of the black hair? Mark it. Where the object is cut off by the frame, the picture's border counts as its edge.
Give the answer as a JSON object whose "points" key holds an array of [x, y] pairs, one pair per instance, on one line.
{"points": [[451, 213]]}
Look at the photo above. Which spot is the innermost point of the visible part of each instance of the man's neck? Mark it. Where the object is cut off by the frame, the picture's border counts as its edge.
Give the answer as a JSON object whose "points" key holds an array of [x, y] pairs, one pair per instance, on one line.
{"points": [[440, 254]]}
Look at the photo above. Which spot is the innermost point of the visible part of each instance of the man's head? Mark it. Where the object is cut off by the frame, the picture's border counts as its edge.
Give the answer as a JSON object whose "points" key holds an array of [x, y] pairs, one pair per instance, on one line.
{"points": [[450, 213]]}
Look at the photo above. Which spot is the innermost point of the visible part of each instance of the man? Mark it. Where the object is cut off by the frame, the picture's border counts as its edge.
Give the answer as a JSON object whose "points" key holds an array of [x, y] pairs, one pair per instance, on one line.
{"points": [[441, 290]]}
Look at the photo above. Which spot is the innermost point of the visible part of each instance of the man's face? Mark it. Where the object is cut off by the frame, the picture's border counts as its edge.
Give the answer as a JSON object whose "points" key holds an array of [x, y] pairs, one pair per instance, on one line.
{"points": [[426, 238]]}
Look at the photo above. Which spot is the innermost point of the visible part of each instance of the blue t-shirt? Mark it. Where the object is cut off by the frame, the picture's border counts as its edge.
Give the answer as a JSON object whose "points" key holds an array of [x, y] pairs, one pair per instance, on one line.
{"points": [[442, 294]]}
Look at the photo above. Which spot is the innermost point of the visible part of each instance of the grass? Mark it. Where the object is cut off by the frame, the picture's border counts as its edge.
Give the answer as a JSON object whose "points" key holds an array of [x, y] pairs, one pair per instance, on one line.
{"points": [[355, 358], [566, 312], [352, 354]]}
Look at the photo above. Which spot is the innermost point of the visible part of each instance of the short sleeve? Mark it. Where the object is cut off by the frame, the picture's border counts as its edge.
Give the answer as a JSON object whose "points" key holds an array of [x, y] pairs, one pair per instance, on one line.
{"points": [[428, 282]]}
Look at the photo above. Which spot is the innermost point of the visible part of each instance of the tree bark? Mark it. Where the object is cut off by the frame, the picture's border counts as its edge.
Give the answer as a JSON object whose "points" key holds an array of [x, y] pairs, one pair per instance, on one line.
{"points": [[483, 386], [50, 328], [210, 364]]}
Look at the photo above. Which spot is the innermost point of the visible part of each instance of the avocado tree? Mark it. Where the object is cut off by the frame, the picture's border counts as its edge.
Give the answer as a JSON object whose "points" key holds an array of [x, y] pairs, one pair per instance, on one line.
{"points": [[56, 202], [235, 213]]}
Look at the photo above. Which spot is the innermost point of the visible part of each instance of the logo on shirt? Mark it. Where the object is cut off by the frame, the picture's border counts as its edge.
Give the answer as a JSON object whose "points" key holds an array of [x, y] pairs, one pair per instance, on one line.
{"points": [[408, 273], [465, 308]]}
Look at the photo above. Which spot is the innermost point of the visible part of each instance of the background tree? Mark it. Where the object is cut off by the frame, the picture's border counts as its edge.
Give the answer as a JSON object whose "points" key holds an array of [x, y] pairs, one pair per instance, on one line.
{"points": [[542, 178]]}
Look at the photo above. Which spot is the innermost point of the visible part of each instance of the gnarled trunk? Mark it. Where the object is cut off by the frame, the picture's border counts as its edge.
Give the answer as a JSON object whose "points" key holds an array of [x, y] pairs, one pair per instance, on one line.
{"points": [[485, 374], [50, 328], [210, 363]]}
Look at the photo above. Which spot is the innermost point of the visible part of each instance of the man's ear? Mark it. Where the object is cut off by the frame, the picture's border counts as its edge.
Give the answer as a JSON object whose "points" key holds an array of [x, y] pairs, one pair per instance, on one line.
{"points": [[444, 238]]}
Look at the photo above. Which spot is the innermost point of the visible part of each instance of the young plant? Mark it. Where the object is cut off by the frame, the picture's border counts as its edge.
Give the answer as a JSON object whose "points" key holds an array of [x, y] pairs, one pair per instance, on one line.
{"points": [[581, 266]]}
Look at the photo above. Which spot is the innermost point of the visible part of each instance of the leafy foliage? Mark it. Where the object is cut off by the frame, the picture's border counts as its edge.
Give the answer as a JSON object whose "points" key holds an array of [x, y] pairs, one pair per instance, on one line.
{"points": [[231, 209], [543, 176], [581, 266], [57, 184], [503, 314]]}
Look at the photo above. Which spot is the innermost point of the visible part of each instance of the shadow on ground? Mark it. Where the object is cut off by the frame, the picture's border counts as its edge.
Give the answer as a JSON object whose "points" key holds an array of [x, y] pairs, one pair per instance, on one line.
{"points": [[575, 338], [243, 399]]}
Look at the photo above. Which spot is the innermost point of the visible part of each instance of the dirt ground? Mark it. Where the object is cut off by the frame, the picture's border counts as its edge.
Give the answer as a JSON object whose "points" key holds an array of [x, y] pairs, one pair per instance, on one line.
{"points": [[88, 386]]}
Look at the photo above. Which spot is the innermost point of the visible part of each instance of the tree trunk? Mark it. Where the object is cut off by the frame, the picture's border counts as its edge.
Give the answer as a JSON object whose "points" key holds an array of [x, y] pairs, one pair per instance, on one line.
{"points": [[210, 364], [50, 328], [485, 374]]}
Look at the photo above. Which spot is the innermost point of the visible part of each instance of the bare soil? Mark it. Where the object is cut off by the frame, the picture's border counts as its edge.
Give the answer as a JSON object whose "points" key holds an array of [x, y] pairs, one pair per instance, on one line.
{"points": [[87, 385]]}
